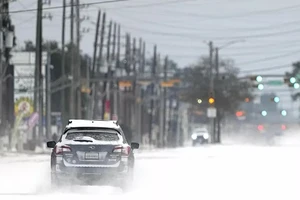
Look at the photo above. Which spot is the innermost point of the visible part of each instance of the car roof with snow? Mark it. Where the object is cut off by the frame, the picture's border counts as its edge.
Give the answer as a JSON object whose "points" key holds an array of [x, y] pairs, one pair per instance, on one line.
{"points": [[79, 123]]}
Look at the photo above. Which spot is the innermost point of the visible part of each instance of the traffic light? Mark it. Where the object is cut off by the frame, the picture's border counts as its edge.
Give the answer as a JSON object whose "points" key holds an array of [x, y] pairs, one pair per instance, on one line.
{"points": [[211, 100], [257, 82], [284, 113], [291, 82], [240, 113], [256, 78], [275, 99], [260, 86], [264, 113], [247, 100]]}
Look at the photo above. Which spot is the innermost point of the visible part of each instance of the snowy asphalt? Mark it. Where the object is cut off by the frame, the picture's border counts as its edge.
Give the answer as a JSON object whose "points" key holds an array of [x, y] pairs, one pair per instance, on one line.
{"points": [[209, 172]]}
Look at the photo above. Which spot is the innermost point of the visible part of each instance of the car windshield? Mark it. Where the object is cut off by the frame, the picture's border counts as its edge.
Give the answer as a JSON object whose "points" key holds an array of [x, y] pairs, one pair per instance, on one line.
{"points": [[93, 135]]}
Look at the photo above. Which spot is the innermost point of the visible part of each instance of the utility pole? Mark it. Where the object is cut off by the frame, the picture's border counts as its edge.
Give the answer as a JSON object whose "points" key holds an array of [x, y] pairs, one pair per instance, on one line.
{"points": [[90, 114], [211, 88], [217, 102], [143, 63], [118, 67], [133, 101], [78, 60], [97, 98], [48, 95], [106, 99], [114, 83], [139, 95], [73, 68], [152, 94], [165, 101], [126, 113], [63, 69], [1, 67], [38, 95]]}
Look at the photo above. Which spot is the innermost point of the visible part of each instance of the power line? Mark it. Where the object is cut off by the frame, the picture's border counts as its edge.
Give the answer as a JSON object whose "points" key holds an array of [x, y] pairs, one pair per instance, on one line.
{"points": [[166, 12], [267, 68], [270, 58], [197, 29], [153, 4], [60, 7], [193, 36]]}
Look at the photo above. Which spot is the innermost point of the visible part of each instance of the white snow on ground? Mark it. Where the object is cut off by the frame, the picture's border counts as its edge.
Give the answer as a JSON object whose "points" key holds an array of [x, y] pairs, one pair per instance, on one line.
{"points": [[209, 172]]}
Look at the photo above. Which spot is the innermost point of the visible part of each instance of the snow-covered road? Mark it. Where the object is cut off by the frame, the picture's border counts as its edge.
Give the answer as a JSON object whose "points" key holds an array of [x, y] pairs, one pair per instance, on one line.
{"points": [[211, 172]]}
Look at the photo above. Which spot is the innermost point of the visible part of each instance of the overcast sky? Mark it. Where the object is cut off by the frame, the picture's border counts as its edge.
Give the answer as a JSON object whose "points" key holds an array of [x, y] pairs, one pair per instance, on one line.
{"points": [[270, 28]]}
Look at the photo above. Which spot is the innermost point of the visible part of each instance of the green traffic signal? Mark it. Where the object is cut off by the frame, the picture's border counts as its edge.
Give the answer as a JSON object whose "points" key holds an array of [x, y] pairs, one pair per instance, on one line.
{"points": [[276, 99], [260, 86], [284, 113], [293, 80], [264, 113], [259, 78]]}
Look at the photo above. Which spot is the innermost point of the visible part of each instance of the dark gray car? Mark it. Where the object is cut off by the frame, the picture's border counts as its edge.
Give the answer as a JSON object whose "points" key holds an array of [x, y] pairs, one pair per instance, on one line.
{"points": [[92, 152]]}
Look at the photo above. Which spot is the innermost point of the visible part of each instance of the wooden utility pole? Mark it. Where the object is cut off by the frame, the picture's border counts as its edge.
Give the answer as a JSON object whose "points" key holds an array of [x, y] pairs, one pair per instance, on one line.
{"points": [[154, 65], [165, 101], [106, 99], [63, 69], [96, 42], [114, 109], [118, 110], [211, 89], [38, 97], [93, 86], [78, 60], [139, 95], [143, 63], [97, 98], [217, 102], [73, 68]]}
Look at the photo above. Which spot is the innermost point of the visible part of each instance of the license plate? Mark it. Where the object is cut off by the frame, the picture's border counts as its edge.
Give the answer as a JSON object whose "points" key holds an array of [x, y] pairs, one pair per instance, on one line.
{"points": [[92, 156]]}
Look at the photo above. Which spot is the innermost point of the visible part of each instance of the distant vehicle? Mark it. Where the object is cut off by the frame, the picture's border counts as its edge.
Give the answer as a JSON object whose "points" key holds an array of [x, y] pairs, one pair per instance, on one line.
{"points": [[200, 136], [272, 129], [92, 152]]}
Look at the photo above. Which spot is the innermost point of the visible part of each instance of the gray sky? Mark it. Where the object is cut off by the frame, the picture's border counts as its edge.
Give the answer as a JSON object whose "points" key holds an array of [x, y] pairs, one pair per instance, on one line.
{"points": [[180, 27]]}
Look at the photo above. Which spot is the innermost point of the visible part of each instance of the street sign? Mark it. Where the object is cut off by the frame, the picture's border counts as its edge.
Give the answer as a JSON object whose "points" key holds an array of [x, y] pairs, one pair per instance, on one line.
{"points": [[125, 84], [211, 112], [166, 84], [275, 82]]}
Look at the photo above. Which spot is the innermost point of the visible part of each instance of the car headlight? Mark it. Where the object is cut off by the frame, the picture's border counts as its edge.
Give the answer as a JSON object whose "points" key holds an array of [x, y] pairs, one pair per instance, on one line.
{"points": [[194, 136], [205, 136]]}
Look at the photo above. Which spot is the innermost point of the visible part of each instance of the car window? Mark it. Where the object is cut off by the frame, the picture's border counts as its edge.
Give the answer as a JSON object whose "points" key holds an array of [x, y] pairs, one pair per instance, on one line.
{"points": [[99, 135]]}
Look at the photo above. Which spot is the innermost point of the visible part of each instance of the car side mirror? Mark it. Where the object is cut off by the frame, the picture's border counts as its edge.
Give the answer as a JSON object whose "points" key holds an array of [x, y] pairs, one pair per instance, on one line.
{"points": [[135, 145], [51, 144]]}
